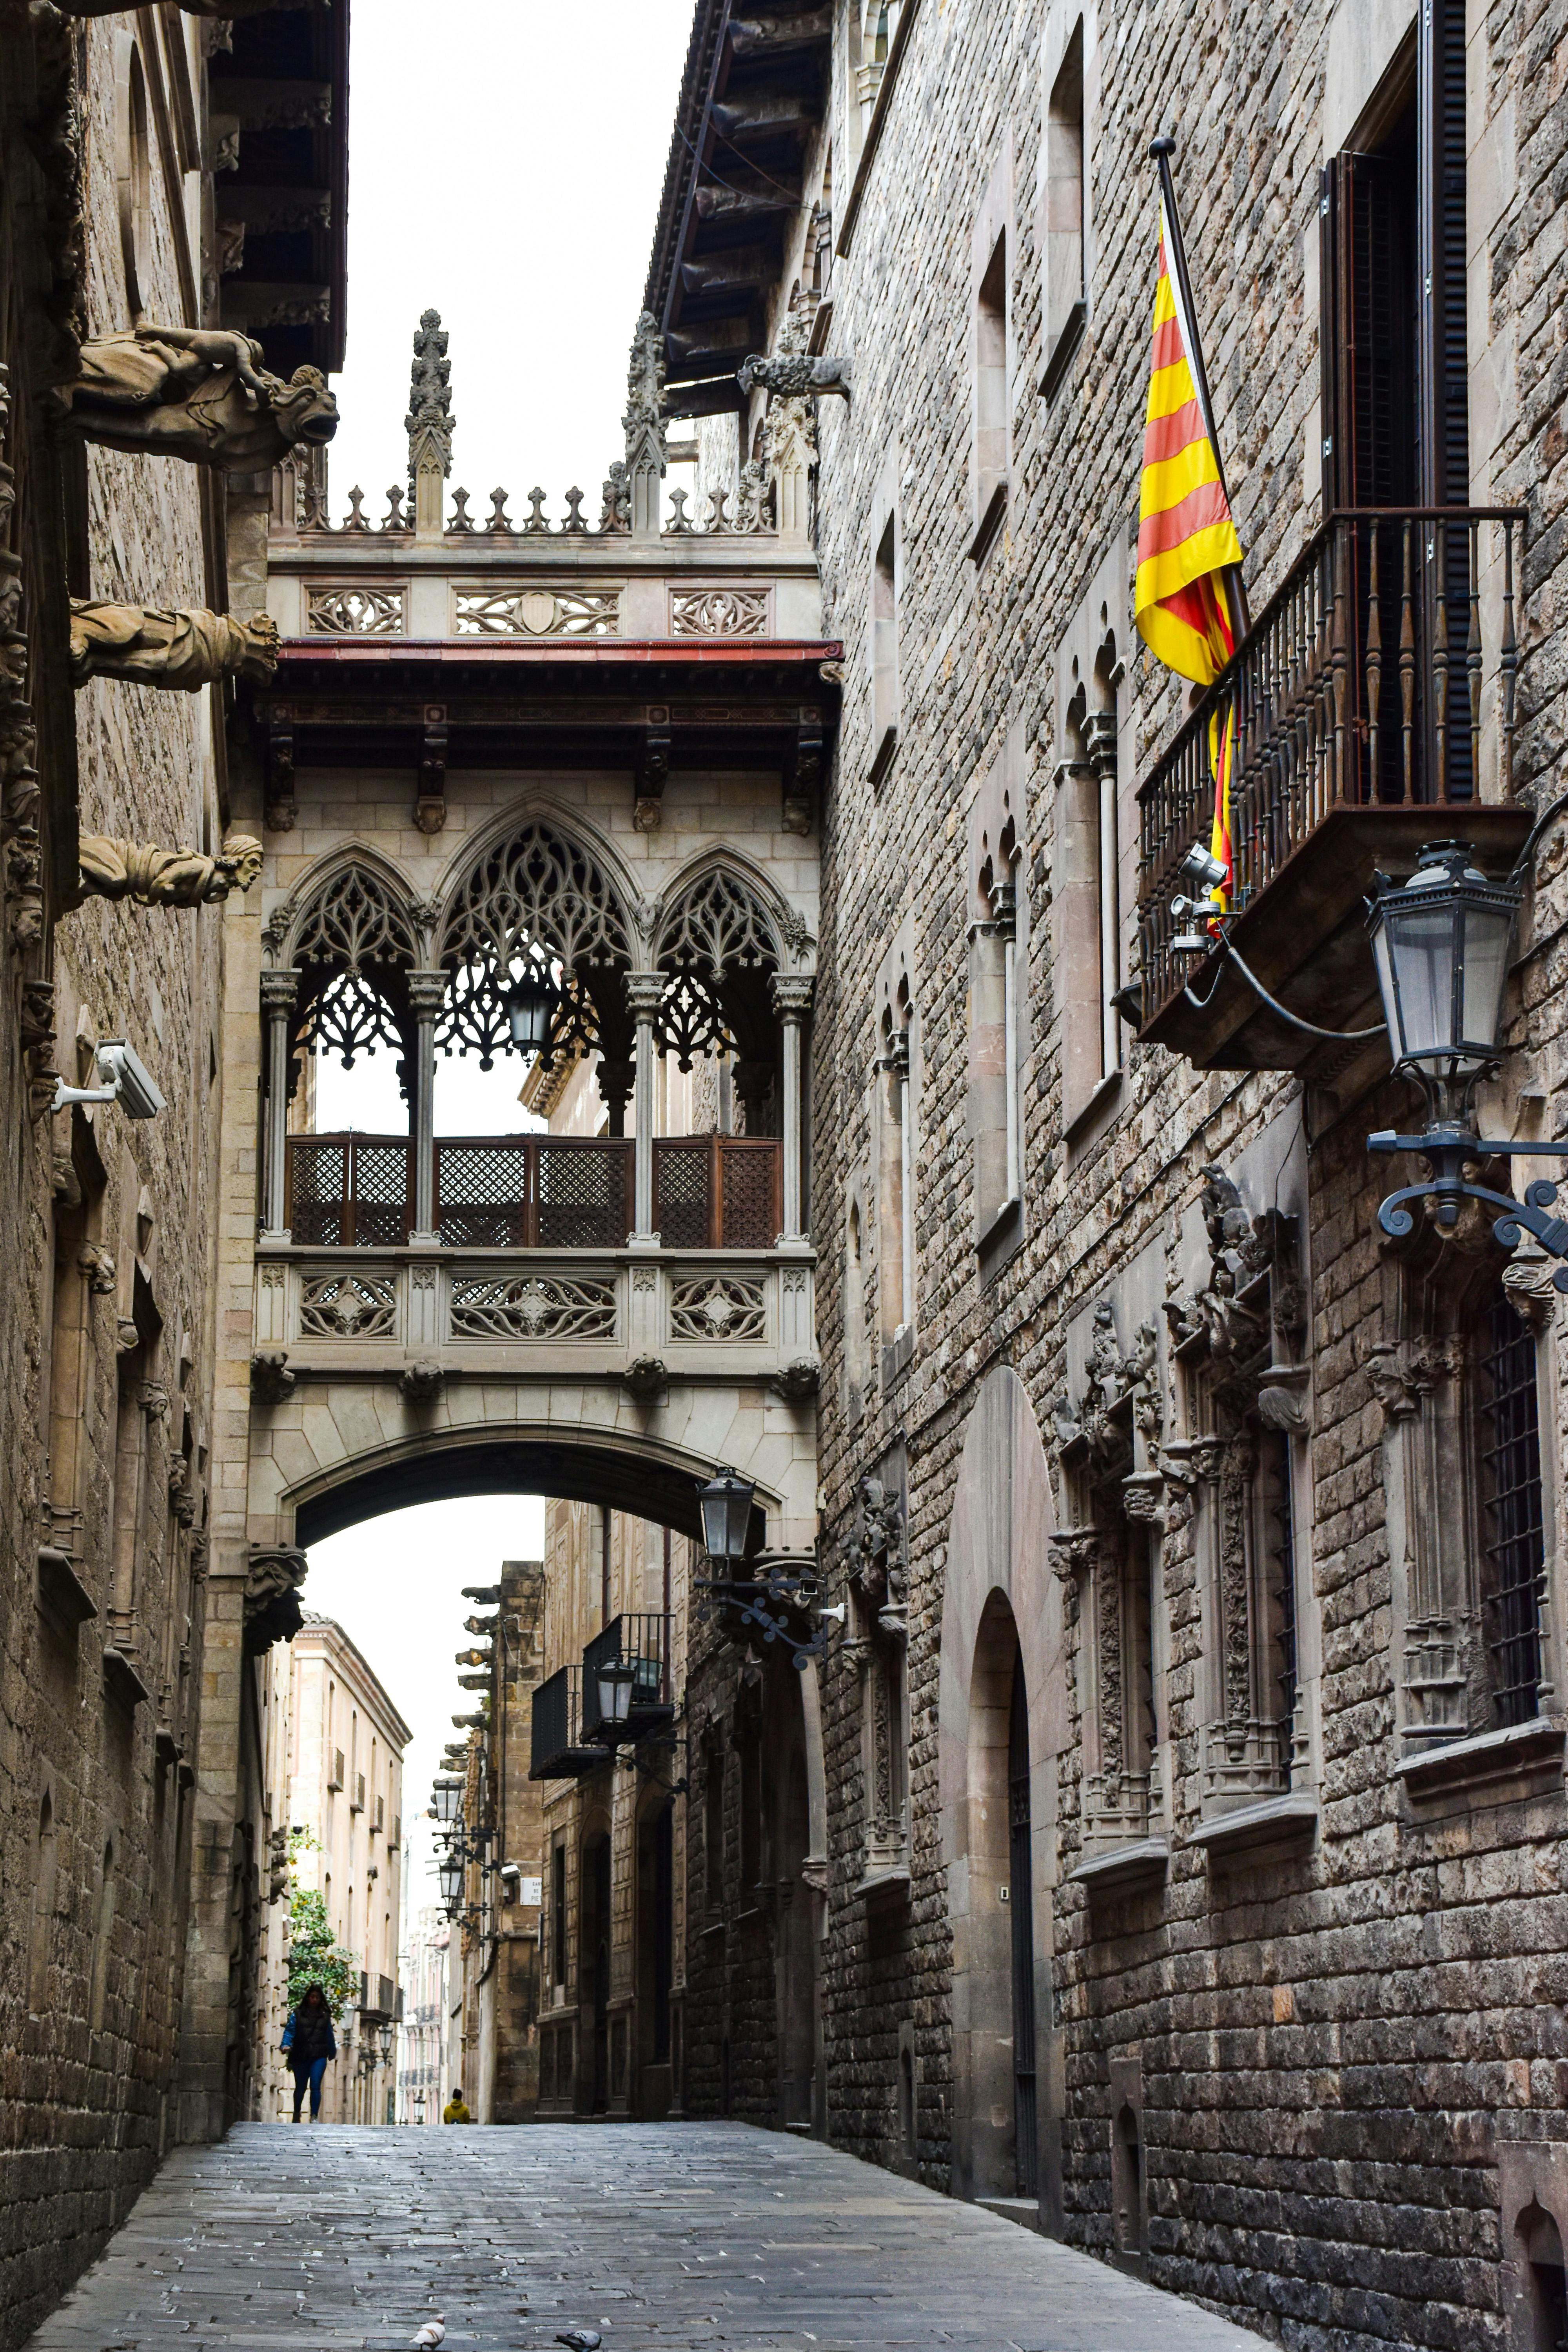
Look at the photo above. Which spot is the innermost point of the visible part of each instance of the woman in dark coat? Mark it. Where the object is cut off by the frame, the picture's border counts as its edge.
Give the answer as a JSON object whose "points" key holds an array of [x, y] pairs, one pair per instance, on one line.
{"points": [[309, 2042]]}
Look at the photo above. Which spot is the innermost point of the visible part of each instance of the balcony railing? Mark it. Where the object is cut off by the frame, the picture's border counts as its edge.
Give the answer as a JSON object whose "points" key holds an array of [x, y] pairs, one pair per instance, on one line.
{"points": [[534, 1191], [1361, 684], [559, 1751], [641, 1642]]}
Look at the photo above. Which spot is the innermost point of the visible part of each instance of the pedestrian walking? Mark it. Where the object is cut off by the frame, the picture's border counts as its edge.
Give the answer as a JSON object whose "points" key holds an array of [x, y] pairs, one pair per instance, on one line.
{"points": [[455, 2110], [310, 2045]]}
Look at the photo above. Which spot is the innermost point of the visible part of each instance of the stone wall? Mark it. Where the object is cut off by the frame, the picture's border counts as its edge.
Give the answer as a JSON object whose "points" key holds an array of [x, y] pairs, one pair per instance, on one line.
{"points": [[1324, 2046], [105, 1393]]}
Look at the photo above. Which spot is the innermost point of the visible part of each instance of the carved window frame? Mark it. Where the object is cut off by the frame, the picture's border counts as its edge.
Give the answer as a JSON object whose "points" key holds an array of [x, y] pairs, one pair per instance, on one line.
{"points": [[353, 940], [1428, 1383], [1246, 1416]]}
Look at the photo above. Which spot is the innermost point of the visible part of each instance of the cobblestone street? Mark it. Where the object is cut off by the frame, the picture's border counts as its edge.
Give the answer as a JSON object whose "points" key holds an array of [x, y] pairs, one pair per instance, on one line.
{"points": [[674, 2235]]}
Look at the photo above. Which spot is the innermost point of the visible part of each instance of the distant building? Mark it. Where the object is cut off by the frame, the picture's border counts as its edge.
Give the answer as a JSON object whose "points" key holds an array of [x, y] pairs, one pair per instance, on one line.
{"points": [[334, 1746], [421, 2070]]}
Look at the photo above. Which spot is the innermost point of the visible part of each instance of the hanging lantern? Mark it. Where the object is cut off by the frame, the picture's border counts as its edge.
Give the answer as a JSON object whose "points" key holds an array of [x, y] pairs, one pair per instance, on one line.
{"points": [[1441, 945], [726, 1507], [617, 1679], [531, 1010], [447, 1797]]}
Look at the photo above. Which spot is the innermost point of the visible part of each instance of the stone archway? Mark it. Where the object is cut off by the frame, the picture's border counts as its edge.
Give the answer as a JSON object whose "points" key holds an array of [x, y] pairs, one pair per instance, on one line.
{"points": [[1001, 1603]]}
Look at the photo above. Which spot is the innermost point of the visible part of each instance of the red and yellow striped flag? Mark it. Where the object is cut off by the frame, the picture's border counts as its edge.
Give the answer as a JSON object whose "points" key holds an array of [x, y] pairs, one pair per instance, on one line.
{"points": [[1187, 602]]}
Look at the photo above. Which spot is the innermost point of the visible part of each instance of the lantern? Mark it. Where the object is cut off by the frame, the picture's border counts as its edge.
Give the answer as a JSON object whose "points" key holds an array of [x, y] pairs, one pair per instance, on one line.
{"points": [[726, 1507], [1441, 944], [531, 1010]]}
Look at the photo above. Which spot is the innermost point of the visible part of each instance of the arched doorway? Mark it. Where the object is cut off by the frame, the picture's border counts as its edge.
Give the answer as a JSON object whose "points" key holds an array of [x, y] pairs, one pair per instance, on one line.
{"points": [[1002, 1723]]}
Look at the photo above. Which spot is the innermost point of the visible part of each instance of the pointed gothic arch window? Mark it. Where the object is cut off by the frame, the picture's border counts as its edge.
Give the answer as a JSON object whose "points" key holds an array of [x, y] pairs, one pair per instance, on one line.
{"points": [[719, 948], [353, 945], [535, 895]]}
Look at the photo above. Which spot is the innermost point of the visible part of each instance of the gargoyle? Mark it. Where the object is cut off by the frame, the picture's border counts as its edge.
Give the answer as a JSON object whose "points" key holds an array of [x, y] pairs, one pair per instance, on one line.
{"points": [[792, 375], [163, 878], [153, 645], [195, 392]]}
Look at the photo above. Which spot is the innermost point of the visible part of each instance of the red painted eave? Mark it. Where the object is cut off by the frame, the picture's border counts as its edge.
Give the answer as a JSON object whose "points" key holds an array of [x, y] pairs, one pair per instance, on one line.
{"points": [[516, 653]]}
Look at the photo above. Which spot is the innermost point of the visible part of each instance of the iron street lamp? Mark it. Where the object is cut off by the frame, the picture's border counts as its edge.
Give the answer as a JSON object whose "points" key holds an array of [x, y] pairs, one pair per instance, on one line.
{"points": [[1441, 943], [617, 1679], [725, 1504], [450, 1876], [384, 2035], [448, 1800], [531, 1010]]}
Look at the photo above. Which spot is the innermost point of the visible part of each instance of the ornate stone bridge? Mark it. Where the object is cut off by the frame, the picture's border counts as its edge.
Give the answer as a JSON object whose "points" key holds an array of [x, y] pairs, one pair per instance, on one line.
{"points": [[506, 776]]}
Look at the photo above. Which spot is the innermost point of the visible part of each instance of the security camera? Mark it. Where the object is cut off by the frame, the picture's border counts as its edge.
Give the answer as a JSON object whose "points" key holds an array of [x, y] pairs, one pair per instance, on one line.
{"points": [[139, 1097], [129, 1084]]}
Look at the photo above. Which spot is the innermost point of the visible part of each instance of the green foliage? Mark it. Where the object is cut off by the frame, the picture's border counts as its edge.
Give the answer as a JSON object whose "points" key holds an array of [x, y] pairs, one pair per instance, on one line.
{"points": [[315, 1959]]}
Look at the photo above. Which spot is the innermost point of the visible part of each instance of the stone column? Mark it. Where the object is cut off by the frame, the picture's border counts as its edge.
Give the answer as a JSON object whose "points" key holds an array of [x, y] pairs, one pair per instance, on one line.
{"points": [[279, 992], [426, 995], [643, 990], [791, 994]]}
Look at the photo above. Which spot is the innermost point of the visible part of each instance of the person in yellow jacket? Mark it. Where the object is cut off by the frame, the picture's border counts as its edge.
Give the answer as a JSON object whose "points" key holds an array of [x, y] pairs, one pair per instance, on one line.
{"points": [[455, 2111]]}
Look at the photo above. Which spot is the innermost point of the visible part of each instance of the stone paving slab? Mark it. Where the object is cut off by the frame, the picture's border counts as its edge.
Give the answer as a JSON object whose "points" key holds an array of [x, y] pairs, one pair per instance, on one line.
{"points": [[666, 2238]]}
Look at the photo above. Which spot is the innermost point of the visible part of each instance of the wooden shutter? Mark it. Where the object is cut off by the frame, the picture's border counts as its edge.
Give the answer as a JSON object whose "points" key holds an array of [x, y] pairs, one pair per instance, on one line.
{"points": [[1444, 369], [1367, 324]]}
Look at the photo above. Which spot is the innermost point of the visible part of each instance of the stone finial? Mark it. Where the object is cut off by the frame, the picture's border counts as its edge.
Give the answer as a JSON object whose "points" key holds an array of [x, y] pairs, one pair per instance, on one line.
{"points": [[648, 451], [200, 394], [429, 422], [155, 645]]}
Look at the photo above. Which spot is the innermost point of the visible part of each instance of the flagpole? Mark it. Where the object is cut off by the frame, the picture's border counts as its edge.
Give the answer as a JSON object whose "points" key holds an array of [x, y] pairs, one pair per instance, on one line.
{"points": [[1161, 150]]}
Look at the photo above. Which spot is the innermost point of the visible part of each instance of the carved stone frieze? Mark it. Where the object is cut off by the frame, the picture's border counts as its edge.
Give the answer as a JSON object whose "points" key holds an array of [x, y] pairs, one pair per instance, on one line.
{"points": [[534, 612], [718, 1307], [718, 613], [200, 394], [533, 1307], [156, 646], [357, 611]]}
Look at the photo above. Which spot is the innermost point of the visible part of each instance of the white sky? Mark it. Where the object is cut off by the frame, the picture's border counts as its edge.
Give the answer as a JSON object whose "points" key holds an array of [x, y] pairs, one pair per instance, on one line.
{"points": [[506, 176]]}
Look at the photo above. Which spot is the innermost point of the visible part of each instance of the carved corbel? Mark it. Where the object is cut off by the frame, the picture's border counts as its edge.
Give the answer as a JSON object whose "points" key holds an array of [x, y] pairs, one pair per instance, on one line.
{"points": [[423, 1380], [274, 1574], [645, 1377], [795, 1382], [1284, 1397], [653, 770], [271, 1382], [794, 375], [430, 807], [804, 778], [1404, 1372], [95, 1262], [280, 813], [1527, 1279]]}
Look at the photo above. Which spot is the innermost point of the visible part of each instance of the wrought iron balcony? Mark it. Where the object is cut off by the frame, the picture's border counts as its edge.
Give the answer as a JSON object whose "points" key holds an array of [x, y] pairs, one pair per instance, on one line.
{"points": [[534, 1191], [641, 1642], [1374, 704], [559, 1750]]}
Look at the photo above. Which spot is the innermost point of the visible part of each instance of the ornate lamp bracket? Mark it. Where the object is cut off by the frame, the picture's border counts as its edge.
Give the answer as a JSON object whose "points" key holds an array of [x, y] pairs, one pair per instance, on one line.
{"points": [[1447, 1151], [769, 1604]]}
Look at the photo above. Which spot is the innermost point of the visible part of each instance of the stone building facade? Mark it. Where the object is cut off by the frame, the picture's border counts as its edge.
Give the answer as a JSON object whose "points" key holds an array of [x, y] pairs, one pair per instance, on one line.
{"points": [[120, 647], [1193, 1772]]}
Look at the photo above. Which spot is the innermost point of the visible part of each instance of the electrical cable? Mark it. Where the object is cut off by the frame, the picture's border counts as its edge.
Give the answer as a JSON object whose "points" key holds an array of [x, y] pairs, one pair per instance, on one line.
{"points": [[1308, 1028]]}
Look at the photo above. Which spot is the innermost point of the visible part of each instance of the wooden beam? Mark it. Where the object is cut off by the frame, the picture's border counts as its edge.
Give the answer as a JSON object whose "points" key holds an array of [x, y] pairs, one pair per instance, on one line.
{"points": [[772, 37], [766, 114]]}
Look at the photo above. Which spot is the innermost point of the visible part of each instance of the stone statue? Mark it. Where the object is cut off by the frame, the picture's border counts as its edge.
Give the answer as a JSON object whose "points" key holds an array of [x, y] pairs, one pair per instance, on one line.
{"points": [[793, 374], [156, 646], [617, 496], [201, 394], [163, 878]]}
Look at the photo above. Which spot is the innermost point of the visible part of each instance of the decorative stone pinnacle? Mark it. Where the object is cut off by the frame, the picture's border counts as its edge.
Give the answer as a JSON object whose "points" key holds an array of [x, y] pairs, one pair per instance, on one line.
{"points": [[430, 420]]}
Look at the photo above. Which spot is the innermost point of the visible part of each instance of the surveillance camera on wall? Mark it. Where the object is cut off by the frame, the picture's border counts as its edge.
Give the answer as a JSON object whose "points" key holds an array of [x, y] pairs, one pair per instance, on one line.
{"points": [[129, 1084]]}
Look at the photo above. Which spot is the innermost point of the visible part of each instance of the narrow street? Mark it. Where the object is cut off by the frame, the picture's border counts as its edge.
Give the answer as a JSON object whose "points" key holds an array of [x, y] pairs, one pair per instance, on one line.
{"points": [[669, 2235]]}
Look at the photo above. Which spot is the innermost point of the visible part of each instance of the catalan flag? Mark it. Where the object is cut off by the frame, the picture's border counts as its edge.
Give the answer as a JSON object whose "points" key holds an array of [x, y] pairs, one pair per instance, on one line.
{"points": [[1187, 602]]}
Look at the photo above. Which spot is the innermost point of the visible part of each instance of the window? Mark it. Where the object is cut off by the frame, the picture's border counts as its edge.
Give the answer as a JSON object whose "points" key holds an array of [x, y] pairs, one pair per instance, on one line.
{"points": [[750, 1814], [994, 1036], [855, 1365], [991, 403], [41, 1946], [103, 1940], [1513, 1547], [896, 1206], [1065, 243], [1089, 895], [884, 649], [558, 1915], [132, 173], [713, 1825]]}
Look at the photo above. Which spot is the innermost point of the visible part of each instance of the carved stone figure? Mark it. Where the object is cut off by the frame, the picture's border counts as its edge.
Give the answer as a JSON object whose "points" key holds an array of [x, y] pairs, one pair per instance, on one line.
{"points": [[155, 644], [195, 392], [272, 1581], [793, 374], [111, 868], [271, 1382], [617, 496]]}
